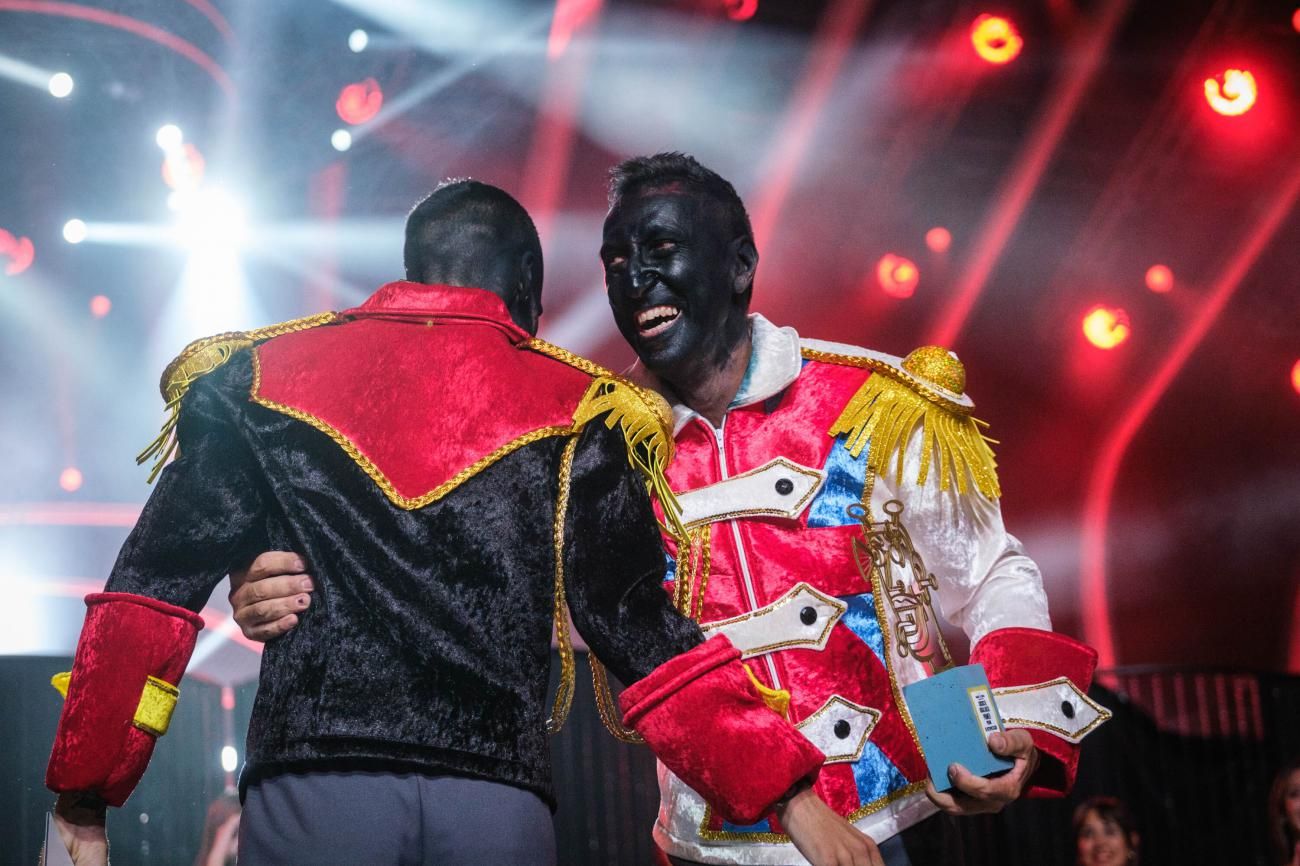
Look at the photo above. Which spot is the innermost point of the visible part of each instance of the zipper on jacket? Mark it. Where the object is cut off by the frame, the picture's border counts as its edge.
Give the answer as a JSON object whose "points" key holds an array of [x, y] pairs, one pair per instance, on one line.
{"points": [[746, 577]]}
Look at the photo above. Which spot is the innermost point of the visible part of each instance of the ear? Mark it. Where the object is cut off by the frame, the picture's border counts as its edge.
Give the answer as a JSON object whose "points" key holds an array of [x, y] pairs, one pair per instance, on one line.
{"points": [[528, 294], [744, 262]]}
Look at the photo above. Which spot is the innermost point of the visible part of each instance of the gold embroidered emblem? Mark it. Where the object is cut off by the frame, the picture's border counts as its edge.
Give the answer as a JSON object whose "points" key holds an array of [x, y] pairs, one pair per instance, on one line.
{"points": [[886, 550]]}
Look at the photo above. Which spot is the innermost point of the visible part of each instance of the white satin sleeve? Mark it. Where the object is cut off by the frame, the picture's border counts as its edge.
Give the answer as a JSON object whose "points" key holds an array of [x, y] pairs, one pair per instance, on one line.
{"points": [[985, 579]]}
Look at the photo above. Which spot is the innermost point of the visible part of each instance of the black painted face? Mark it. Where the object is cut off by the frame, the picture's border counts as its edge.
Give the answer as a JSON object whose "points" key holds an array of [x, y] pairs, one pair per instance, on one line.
{"points": [[672, 281]]}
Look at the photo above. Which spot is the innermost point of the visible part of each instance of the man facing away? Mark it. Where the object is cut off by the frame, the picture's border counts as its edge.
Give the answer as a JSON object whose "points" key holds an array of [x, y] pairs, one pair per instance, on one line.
{"points": [[454, 482], [831, 496]]}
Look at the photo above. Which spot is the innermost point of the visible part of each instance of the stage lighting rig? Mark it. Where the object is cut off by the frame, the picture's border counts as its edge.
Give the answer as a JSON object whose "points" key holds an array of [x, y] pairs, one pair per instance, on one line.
{"points": [[1106, 327], [996, 39], [1232, 93], [897, 275]]}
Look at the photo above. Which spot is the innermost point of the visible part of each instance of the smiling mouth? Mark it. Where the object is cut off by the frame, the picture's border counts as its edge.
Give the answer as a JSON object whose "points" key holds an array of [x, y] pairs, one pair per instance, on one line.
{"points": [[654, 321]]}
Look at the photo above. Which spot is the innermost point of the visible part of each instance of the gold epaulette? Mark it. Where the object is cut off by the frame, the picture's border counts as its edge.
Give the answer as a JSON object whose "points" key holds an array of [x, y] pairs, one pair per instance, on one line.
{"points": [[926, 389], [644, 417], [197, 360]]}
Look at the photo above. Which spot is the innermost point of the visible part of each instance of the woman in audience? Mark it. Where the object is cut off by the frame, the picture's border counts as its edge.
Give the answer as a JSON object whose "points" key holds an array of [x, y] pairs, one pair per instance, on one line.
{"points": [[1105, 833], [1284, 814]]}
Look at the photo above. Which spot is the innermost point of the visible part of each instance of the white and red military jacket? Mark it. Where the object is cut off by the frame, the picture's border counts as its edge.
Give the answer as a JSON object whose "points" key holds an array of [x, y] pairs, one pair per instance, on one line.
{"points": [[831, 455]]}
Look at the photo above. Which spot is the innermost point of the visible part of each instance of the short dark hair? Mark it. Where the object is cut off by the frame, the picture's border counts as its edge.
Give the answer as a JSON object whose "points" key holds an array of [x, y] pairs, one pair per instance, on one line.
{"points": [[662, 170], [457, 233]]}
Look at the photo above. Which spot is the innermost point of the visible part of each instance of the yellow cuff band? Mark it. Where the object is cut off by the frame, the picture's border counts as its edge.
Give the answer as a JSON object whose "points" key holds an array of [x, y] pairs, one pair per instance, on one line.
{"points": [[153, 714], [777, 700]]}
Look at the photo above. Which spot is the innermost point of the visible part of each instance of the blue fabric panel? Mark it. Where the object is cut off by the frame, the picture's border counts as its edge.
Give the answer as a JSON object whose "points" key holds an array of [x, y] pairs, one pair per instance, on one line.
{"points": [[845, 477], [875, 775], [670, 568], [761, 827], [860, 618]]}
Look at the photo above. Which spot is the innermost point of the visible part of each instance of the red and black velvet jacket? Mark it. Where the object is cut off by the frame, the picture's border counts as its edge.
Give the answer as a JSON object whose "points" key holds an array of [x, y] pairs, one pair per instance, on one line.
{"points": [[417, 452]]}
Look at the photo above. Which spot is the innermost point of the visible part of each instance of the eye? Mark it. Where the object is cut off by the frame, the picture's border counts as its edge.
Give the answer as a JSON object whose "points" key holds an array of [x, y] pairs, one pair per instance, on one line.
{"points": [[663, 245], [615, 263]]}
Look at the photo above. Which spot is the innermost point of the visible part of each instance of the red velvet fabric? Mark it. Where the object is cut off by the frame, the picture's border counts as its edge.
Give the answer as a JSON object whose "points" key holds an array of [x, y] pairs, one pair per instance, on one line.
{"points": [[707, 723], [126, 639], [389, 375], [1024, 657]]}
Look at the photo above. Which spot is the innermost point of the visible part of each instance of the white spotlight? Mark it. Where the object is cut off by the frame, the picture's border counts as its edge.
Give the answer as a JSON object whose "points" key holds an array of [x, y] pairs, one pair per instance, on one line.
{"points": [[229, 759], [60, 84], [74, 231], [211, 219], [169, 137], [358, 40], [341, 139]]}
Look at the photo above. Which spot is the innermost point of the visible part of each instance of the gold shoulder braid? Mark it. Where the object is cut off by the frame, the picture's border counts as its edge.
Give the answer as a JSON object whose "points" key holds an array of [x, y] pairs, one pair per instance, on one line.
{"points": [[925, 390], [200, 358]]}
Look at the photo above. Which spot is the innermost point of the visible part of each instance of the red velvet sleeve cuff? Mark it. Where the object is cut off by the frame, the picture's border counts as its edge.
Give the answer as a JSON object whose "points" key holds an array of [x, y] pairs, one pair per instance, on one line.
{"points": [[707, 723], [131, 656], [1017, 658]]}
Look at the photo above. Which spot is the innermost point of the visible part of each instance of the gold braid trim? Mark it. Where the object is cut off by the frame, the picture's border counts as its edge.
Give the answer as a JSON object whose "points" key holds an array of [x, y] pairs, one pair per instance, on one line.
{"points": [[888, 408], [564, 693], [197, 360], [610, 717], [702, 571], [646, 422]]}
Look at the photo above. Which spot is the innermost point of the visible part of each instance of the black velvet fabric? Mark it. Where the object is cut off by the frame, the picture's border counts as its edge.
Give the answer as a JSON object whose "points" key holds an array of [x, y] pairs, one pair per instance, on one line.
{"points": [[427, 642]]}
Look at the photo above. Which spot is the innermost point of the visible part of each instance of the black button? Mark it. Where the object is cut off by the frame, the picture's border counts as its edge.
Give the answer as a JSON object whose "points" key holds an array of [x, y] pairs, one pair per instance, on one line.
{"points": [[842, 729], [1067, 709], [808, 615], [784, 486]]}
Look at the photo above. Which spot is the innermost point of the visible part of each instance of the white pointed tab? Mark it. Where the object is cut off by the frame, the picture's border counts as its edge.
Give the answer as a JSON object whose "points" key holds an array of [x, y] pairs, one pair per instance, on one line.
{"points": [[840, 729], [801, 618], [1056, 706], [778, 488]]}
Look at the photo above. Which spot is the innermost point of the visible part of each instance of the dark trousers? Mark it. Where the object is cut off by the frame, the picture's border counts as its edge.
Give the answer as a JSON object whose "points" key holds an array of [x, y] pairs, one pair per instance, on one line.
{"points": [[392, 819]]}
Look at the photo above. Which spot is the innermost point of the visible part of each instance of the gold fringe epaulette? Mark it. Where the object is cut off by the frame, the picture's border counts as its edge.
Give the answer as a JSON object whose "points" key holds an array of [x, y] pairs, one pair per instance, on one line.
{"points": [[926, 390], [647, 425], [645, 417], [197, 360]]}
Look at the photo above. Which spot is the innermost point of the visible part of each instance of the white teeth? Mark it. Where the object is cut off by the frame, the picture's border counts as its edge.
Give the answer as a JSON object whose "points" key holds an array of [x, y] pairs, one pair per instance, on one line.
{"points": [[656, 313]]}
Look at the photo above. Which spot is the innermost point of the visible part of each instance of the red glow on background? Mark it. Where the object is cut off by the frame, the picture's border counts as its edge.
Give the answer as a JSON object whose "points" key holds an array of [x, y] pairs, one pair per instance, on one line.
{"points": [[1160, 279], [1231, 93], [740, 10], [897, 276], [995, 39], [100, 306], [183, 167], [1295, 376], [19, 252], [1106, 327], [227, 698], [1295, 20], [359, 102], [938, 239], [70, 479]]}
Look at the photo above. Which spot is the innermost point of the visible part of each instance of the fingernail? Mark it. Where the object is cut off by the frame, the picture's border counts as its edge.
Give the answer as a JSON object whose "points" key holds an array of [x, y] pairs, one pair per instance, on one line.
{"points": [[302, 601], [299, 565], [306, 584], [953, 770]]}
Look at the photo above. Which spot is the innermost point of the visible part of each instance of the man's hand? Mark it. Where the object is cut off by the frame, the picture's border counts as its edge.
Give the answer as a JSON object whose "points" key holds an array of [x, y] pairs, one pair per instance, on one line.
{"points": [[81, 828], [974, 795], [268, 596], [824, 837]]}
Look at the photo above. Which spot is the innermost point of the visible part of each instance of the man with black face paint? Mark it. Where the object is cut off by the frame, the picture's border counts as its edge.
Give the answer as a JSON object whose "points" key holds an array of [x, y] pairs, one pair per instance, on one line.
{"points": [[798, 464], [830, 494]]}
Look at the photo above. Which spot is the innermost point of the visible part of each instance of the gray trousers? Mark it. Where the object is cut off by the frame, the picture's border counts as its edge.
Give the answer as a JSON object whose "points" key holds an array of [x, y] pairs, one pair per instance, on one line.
{"points": [[392, 819]]}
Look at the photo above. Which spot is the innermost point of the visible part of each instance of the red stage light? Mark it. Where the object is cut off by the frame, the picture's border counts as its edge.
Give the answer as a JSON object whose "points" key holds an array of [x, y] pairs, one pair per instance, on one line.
{"points": [[1295, 376], [70, 479], [1160, 279], [1106, 327], [995, 39], [19, 252], [359, 102], [740, 10], [1233, 93], [897, 276], [182, 167], [1295, 20], [938, 239], [100, 305]]}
